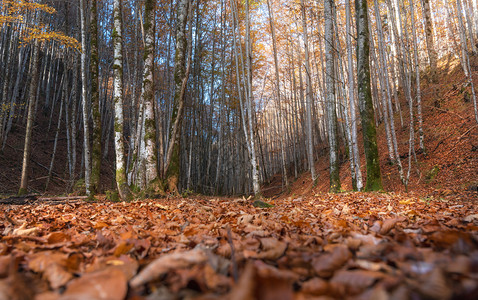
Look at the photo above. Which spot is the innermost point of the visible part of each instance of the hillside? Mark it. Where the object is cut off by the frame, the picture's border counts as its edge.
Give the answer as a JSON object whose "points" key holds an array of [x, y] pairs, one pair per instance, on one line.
{"points": [[451, 140]]}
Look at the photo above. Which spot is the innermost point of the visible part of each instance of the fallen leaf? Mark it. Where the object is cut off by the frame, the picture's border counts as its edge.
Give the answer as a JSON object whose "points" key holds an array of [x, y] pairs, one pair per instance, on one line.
{"points": [[389, 224], [109, 284], [24, 231], [167, 262], [326, 264], [271, 249], [434, 286], [315, 286], [57, 237], [471, 218], [52, 266], [354, 281]]}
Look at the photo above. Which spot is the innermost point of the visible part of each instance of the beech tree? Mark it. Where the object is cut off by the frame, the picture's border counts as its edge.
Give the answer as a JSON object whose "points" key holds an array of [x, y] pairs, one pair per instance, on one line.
{"points": [[121, 180], [329, 12], [181, 75], [374, 180]]}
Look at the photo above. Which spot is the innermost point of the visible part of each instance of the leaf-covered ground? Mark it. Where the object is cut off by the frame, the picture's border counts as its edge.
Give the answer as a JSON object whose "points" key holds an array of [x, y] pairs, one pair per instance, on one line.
{"points": [[365, 246]]}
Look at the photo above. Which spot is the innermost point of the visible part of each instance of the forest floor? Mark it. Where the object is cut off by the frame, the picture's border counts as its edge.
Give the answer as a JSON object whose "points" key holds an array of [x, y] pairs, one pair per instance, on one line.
{"points": [[420, 244]]}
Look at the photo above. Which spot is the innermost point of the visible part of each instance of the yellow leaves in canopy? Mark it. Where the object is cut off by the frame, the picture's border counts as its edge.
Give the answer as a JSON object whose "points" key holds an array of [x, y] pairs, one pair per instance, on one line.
{"points": [[14, 12], [41, 34], [15, 9]]}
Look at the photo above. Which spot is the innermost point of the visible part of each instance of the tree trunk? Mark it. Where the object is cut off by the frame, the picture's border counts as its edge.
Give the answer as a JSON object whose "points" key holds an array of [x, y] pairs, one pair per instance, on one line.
{"points": [[30, 119], [330, 97], [85, 103], [95, 98], [374, 180], [148, 170], [432, 53], [352, 107], [278, 106], [181, 74], [309, 104], [121, 181]]}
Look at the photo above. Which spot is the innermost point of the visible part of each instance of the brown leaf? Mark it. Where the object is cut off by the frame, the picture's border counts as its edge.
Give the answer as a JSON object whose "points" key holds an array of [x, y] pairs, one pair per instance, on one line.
{"points": [[52, 265], [168, 262], [260, 281], [389, 225], [272, 249], [245, 287], [15, 287], [326, 264], [315, 286], [355, 281], [109, 284], [434, 285], [57, 237], [24, 231], [4, 265]]}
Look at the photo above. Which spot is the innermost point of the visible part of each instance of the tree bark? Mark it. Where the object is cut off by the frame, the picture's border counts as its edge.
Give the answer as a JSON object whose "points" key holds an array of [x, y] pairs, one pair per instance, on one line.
{"points": [[95, 98], [309, 104], [121, 181], [374, 180], [85, 103], [432, 53], [330, 97], [181, 74], [30, 119]]}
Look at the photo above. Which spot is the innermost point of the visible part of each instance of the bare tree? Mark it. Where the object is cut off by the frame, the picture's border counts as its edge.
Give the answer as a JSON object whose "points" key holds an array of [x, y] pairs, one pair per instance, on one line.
{"points": [[374, 180]]}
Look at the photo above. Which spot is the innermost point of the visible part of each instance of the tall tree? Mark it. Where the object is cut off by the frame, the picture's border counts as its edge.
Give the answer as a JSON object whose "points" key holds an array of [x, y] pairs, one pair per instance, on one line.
{"points": [[181, 75], [353, 119], [432, 53], [95, 98], [278, 93], [118, 94], [329, 13], [309, 97], [30, 118], [249, 100], [85, 102], [374, 179], [148, 161]]}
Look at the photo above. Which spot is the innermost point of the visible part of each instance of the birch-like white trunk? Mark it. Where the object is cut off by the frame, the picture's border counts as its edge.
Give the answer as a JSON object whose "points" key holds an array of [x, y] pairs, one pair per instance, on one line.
{"points": [[330, 97], [351, 106], [249, 101], [121, 181], [85, 102], [308, 105], [417, 78]]}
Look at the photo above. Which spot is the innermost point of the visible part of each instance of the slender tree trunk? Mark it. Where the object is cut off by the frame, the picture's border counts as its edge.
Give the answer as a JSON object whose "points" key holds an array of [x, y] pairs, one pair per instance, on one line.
{"points": [[85, 103], [278, 106], [148, 170], [352, 107], [432, 53], [95, 98], [310, 143], [30, 119], [374, 180], [466, 58], [330, 97], [181, 74], [417, 75], [249, 101], [118, 98], [388, 108]]}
